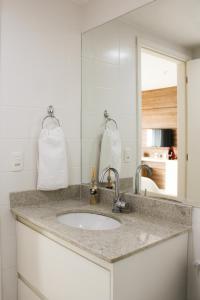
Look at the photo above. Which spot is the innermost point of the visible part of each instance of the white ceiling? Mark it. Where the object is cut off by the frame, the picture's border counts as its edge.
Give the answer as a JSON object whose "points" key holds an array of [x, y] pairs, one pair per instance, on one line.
{"points": [[177, 21], [157, 71]]}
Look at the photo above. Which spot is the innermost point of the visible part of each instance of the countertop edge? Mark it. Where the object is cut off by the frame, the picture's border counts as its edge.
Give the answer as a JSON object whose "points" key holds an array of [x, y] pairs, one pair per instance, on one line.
{"points": [[84, 252]]}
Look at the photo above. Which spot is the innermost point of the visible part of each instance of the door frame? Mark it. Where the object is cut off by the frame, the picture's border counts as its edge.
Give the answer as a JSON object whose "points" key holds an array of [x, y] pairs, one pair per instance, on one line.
{"points": [[181, 112]]}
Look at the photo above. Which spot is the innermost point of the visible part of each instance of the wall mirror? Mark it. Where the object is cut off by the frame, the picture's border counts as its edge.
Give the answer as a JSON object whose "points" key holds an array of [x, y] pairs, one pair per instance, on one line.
{"points": [[134, 97]]}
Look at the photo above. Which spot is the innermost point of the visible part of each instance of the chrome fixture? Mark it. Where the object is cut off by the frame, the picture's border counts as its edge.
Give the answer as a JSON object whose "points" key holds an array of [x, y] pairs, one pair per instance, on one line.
{"points": [[137, 176], [50, 114], [108, 119], [118, 204]]}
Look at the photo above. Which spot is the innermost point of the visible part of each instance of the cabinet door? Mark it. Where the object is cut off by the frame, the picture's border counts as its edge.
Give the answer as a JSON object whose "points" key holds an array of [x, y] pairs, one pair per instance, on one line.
{"points": [[24, 293], [193, 165], [56, 272], [158, 273]]}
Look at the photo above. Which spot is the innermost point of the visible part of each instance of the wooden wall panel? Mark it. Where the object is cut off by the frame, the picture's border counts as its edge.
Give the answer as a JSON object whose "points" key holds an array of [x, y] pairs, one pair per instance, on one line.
{"points": [[160, 98], [159, 118], [159, 108]]}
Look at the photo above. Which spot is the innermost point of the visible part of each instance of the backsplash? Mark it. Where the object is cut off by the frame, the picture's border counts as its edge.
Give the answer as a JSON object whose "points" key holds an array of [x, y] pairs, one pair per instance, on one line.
{"points": [[159, 208]]}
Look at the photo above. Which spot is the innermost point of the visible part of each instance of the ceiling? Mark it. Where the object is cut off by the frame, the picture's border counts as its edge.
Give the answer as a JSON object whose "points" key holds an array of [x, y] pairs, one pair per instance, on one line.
{"points": [[177, 21], [157, 71]]}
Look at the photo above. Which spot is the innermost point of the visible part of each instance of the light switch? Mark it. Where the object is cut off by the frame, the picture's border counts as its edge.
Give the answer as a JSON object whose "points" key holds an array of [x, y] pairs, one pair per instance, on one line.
{"points": [[127, 154], [17, 163]]}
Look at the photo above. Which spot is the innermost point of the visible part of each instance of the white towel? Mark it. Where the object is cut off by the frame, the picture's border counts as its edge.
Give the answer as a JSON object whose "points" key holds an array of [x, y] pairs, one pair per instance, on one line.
{"points": [[110, 155], [52, 162]]}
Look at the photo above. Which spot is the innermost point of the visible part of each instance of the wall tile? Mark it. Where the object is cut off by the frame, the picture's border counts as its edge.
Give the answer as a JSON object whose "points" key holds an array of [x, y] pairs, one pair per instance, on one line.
{"points": [[27, 147], [102, 43], [9, 252], [7, 223], [74, 153], [9, 280]]}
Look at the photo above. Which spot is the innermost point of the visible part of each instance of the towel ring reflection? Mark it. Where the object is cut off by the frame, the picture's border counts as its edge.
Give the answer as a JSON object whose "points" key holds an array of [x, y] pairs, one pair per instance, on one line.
{"points": [[108, 119], [50, 114]]}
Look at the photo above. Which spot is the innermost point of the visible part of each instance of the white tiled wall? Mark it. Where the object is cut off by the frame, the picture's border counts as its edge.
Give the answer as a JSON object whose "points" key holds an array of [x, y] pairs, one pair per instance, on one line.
{"points": [[40, 65], [109, 82]]}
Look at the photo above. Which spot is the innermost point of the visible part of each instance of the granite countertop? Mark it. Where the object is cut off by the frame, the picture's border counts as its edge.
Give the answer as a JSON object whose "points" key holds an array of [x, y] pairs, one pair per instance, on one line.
{"points": [[137, 231]]}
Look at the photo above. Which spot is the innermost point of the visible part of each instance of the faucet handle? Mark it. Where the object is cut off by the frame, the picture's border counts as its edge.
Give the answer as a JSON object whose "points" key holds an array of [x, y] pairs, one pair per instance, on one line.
{"points": [[126, 208], [121, 203], [121, 206]]}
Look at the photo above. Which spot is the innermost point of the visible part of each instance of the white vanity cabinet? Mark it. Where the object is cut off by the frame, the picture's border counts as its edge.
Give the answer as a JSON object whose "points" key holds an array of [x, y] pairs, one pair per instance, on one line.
{"points": [[48, 270], [56, 272]]}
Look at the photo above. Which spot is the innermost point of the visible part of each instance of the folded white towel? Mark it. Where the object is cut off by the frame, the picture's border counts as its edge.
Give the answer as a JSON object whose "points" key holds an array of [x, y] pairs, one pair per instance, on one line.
{"points": [[110, 155], [52, 162]]}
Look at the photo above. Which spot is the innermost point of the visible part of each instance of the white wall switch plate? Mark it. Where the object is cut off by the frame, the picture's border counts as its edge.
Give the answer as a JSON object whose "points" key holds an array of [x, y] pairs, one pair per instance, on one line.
{"points": [[17, 161], [127, 154]]}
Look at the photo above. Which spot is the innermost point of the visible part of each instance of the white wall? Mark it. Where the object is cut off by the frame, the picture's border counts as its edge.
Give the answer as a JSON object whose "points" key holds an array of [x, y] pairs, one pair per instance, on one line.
{"points": [[40, 65], [193, 124], [193, 72], [196, 53], [97, 12], [109, 82]]}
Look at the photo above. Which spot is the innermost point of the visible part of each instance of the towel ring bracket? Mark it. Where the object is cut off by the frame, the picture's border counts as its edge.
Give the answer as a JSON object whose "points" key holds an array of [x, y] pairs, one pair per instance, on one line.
{"points": [[50, 114], [108, 119]]}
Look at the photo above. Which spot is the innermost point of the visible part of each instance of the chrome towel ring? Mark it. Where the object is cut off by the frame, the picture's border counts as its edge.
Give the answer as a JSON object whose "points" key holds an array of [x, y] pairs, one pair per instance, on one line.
{"points": [[108, 119], [50, 114]]}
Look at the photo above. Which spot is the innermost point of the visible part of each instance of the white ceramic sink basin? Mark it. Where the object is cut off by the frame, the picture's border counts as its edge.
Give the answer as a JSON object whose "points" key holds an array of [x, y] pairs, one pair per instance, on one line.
{"points": [[89, 221]]}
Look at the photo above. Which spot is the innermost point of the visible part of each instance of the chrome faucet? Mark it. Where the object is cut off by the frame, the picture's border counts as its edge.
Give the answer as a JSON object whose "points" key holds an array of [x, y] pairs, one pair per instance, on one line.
{"points": [[118, 203], [137, 176]]}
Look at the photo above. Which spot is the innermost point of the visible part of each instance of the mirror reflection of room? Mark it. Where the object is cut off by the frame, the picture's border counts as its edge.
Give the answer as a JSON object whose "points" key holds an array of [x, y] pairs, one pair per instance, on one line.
{"points": [[109, 92], [159, 123], [111, 59]]}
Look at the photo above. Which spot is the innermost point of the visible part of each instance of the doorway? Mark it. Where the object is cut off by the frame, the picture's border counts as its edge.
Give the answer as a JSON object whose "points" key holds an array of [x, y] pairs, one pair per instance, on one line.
{"points": [[160, 132]]}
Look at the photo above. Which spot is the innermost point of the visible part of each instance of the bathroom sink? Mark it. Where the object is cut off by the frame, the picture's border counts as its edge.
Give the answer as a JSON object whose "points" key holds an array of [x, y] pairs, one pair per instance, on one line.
{"points": [[89, 221]]}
